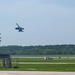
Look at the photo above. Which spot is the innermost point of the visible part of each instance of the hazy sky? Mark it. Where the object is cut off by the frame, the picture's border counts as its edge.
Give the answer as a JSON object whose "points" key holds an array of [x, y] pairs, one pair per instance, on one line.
{"points": [[46, 22]]}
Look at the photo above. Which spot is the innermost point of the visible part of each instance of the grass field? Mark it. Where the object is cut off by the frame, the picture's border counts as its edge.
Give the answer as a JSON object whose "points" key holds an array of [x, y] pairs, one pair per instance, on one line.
{"points": [[44, 67], [55, 60]]}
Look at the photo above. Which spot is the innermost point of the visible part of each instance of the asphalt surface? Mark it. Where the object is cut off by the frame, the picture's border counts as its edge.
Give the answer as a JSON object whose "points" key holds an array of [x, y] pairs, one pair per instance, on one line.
{"points": [[43, 63], [34, 73]]}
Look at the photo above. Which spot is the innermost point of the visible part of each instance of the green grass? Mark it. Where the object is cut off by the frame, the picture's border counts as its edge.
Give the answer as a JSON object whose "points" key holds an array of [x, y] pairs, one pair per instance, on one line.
{"points": [[55, 60], [43, 67], [47, 67]]}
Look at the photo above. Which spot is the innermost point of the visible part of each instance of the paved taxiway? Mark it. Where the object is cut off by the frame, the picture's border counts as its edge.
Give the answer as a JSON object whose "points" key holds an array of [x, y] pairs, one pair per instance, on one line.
{"points": [[34, 73], [43, 63]]}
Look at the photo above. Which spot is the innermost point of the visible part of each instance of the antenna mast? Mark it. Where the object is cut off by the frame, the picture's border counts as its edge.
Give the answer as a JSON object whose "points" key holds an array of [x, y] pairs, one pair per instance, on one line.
{"points": [[0, 40]]}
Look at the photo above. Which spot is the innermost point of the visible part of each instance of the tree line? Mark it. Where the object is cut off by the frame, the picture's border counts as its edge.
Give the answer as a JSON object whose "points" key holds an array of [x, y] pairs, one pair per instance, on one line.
{"points": [[39, 50]]}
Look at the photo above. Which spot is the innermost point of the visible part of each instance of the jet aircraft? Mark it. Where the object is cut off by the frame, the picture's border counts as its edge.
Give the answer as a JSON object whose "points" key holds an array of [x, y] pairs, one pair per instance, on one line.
{"points": [[20, 29]]}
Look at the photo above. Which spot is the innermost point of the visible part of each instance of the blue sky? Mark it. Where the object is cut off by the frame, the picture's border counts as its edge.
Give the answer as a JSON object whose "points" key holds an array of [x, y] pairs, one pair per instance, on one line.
{"points": [[46, 22]]}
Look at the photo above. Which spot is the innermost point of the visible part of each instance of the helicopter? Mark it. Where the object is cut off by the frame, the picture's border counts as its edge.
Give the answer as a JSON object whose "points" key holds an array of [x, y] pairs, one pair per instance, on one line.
{"points": [[20, 29]]}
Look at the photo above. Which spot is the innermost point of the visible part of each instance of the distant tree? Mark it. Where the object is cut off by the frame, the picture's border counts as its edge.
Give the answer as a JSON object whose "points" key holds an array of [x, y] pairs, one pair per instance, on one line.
{"points": [[39, 50]]}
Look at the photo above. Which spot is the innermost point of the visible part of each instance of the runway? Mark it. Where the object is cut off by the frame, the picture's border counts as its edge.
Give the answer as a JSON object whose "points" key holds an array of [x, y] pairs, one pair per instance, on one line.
{"points": [[34, 73], [43, 63]]}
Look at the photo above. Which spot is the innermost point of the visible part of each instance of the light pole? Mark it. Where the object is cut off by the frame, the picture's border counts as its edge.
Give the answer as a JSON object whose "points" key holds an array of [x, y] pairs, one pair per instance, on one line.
{"points": [[0, 40]]}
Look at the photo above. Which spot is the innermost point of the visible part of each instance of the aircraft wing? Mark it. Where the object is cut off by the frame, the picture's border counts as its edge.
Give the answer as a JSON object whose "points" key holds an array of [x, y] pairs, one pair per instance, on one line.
{"points": [[22, 28]]}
